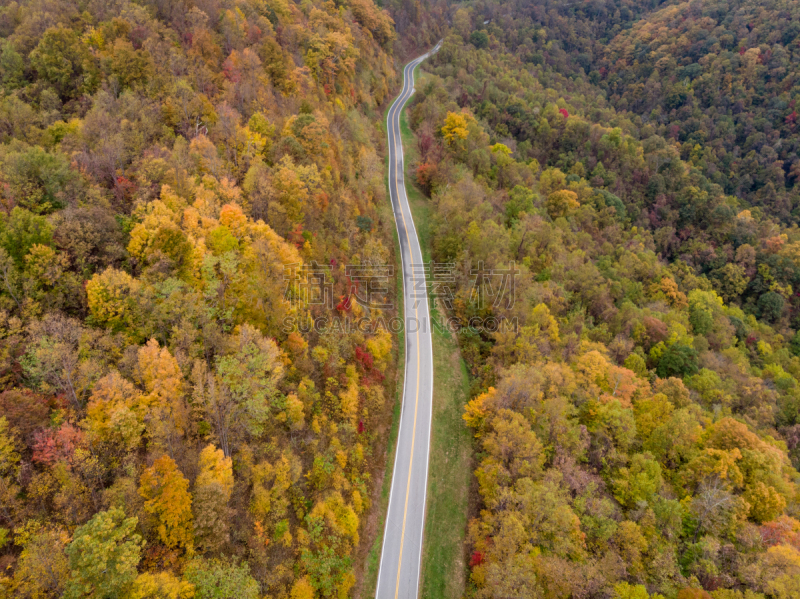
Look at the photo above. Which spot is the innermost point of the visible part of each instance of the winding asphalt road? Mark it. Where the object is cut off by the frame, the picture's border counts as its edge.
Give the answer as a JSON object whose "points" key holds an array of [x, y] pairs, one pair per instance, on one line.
{"points": [[398, 576]]}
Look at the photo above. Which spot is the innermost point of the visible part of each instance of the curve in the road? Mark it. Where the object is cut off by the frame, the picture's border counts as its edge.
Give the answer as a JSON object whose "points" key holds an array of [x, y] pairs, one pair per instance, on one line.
{"points": [[398, 574]]}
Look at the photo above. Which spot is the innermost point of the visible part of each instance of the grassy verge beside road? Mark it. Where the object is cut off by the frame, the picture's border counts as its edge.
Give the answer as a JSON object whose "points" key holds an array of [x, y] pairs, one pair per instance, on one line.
{"points": [[450, 467]]}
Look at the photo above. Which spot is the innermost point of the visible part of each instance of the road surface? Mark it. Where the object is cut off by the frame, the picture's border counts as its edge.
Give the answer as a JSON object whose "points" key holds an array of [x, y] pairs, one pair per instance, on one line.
{"points": [[398, 576]]}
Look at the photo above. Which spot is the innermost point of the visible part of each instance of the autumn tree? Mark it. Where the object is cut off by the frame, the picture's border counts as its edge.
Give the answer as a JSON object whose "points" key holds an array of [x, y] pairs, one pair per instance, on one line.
{"points": [[162, 585], [165, 410], [53, 362], [212, 493], [112, 300], [114, 416], [59, 60], [43, 567], [103, 556], [166, 494], [220, 578], [241, 395]]}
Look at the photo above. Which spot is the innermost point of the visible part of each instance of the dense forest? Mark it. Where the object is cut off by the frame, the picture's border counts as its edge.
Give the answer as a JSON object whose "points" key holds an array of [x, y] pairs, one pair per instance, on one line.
{"points": [[638, 433], [162, 164], [168, 172]]}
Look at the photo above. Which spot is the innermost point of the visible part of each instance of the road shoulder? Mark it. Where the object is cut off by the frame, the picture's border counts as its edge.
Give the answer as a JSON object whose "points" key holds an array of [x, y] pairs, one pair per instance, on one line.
{"points": [[444, 567]]}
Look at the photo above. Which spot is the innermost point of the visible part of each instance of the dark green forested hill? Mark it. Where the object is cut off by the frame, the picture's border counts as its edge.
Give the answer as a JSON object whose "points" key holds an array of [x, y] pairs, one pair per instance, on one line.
{"points": [[722, 79], [637, 433], [718, 77]]}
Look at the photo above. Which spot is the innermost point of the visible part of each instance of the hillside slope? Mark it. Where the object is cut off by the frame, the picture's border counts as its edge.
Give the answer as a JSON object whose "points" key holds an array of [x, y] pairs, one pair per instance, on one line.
{"points": [[636, 424], [173, 175]]}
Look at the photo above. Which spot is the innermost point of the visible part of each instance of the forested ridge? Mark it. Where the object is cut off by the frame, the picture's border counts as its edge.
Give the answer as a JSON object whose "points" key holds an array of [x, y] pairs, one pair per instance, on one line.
{"points": [[162, 433], [637, 434]]}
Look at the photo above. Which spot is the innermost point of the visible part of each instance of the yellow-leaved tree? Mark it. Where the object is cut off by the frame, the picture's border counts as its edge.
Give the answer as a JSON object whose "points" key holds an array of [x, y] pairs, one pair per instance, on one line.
{"points": [[380, 346], [166, 412], [212, 493], [163, 585], [562, 203], [166, 494], [456, 126], [302, 589], [114, 417], [112, 300], [348, 398]]}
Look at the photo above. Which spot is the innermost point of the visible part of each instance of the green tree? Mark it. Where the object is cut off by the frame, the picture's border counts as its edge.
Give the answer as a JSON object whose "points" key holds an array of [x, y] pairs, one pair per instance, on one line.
{"points": [[221, 579], [326, 561], [623, 590], [58, 60], [103, 556], [479, 39], [11, 66], [794, 344], [637, 364], [765, 502], [249, 376], [639, 482], [520, 199], [678, 360], [112, 298], [20, 231], [38, 180], [770, 306]]}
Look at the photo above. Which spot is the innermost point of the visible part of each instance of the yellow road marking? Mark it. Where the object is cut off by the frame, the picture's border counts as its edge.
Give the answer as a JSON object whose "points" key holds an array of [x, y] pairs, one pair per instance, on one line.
{"points": [[416, 315]]}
